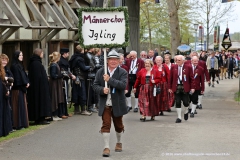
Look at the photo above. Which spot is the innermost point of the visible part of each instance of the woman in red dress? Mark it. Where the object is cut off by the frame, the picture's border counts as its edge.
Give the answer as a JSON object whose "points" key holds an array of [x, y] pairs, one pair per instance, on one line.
{"points": [[146, 79], [162, 98]]}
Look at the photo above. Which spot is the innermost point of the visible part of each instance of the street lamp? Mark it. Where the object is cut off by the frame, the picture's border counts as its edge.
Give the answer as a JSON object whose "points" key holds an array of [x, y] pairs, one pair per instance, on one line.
{"points": [[195, 28]]}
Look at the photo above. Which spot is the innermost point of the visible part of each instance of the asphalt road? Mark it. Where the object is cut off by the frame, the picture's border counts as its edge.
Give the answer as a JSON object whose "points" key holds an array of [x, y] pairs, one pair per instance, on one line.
{"points": [[212, 134]]}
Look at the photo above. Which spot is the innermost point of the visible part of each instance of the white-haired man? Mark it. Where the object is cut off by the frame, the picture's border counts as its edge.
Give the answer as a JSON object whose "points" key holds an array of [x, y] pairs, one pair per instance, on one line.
{"points": [[134, 65]]}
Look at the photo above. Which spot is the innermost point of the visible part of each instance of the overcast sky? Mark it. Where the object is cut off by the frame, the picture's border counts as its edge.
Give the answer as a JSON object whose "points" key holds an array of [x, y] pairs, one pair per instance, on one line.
{"points": [[233, 26]]}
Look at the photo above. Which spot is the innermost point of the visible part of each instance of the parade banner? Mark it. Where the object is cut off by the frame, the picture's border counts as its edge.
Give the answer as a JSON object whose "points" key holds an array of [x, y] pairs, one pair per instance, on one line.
{"points": [[226, 42], [216, 38], [201, 33], [103, 27]]}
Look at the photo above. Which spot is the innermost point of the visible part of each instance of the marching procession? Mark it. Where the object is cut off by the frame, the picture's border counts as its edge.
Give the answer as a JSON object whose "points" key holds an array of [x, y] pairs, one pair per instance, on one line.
{"points": [[157, 85]]}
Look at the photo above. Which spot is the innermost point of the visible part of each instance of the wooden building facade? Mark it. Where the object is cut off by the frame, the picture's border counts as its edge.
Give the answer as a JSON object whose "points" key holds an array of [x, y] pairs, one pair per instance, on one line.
{"points": [[46, 24]]}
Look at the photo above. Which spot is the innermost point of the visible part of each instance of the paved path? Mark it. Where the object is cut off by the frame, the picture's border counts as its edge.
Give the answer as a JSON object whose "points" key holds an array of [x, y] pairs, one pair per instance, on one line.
{"points": [[212, 133]]}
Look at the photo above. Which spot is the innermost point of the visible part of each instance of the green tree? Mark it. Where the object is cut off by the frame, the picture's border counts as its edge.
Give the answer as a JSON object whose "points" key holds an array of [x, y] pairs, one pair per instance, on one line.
{"points": [[210, 13]]}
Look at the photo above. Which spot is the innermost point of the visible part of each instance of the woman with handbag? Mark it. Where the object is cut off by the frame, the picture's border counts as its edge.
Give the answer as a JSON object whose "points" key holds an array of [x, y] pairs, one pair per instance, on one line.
{"points": [[146, 79], [162, 98]]}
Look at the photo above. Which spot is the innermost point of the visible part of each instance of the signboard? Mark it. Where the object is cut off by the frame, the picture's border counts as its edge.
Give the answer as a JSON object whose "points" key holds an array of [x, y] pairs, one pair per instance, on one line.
{"points": [[103, 27]]}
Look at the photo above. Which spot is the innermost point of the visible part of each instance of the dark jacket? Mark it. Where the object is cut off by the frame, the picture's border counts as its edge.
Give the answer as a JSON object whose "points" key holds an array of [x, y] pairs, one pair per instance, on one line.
{"points": [[38, 95], [79, 69], [117, 81], [233, 61], [20, 77], [77, 61]]}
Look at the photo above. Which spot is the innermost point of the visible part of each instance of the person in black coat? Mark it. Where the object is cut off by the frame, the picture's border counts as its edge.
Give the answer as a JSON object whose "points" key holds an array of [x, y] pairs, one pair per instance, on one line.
{"points": [[19, 89], [7, 84], [5, 111], [38, 95], [79, 69], [65, 70]]}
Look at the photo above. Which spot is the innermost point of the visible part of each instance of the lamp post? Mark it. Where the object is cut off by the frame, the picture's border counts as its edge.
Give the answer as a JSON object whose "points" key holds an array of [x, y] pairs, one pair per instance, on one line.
{"points": [[195, 28]]}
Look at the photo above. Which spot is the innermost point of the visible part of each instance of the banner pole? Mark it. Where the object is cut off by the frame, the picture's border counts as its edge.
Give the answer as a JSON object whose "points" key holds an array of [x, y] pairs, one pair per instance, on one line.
{"points": [[105, 64]]}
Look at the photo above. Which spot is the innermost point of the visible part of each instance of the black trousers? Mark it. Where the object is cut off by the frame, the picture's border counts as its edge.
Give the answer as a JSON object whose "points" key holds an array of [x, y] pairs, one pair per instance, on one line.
{"points": [[131, 81], [194, 97], [230, 72], [212, 74], [182, 97]]}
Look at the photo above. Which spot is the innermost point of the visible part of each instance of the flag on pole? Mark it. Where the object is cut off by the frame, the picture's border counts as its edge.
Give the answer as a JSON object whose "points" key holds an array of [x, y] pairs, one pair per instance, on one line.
{"points": [[216, 37], [226, 42]]}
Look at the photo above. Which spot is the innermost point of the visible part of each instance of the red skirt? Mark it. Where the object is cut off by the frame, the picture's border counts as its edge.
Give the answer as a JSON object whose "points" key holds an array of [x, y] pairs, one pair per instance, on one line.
{"points": [[146, 101], [162, 98], [171, 99]]}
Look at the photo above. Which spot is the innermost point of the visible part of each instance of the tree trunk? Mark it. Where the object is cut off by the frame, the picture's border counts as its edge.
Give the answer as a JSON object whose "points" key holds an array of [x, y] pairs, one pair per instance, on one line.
{"points": [[149, 29], [207, 25], [134, 21], [174, 26]]}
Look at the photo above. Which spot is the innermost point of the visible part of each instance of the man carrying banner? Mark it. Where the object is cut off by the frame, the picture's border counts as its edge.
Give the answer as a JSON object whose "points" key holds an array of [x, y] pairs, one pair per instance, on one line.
{"points": [[112, 103]]}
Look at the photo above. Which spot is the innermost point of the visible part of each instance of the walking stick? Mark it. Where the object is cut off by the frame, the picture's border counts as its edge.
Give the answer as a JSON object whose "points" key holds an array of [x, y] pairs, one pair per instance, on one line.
{"points": [[65, 83], [89, 81]]}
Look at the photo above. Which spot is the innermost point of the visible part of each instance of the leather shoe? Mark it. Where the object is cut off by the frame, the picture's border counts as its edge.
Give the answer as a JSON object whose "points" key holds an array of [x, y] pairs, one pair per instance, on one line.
{"points": [[135, 110], [178, 120], [161, 113], [169, 110], [217, 82], [189, 110], [186, 116], [106, 152], [192, 115], [118, 147], [197, 107], [129, 108], [200, 106], [195, 112]]}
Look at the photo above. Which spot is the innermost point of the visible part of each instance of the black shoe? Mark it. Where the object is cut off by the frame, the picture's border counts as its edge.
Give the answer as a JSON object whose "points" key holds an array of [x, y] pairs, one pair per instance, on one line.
{"points": [[225, 77], [200, 106], [169, 110], [192, 115], [228, 77], [189, 110], [152, 118], [178, 120], [217, 82], [197, 107], [44, 122], [143, 119], [231, 77], [135, 110], [129, 108], [213, 86], [186, 116], [209, 84], [161, 113], [195, 112]]}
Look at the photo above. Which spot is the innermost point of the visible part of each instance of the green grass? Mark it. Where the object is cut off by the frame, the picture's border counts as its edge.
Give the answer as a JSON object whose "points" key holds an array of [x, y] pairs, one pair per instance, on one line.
{"points": [[31, 128], [20, 133], [237, 97]]}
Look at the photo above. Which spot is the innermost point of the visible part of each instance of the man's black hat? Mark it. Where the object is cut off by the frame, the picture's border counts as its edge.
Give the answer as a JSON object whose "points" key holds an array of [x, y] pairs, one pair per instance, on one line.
{"points": [[64, 50]]}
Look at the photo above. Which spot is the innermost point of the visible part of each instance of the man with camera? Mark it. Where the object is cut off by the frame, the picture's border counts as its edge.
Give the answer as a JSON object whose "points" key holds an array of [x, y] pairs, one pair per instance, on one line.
{"points": [[79, 68], [181, 83]]}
